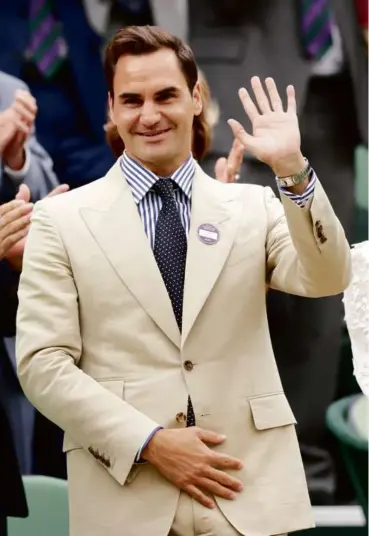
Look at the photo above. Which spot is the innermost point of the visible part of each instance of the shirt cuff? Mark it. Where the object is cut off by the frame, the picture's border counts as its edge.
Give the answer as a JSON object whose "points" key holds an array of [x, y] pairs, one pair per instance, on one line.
{"points": [[18, 175], [138, 455], [303, 199]]}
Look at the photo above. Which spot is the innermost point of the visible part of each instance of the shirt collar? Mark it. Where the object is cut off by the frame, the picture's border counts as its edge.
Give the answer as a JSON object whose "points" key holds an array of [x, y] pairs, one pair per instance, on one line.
{"points": [[141, 180]]}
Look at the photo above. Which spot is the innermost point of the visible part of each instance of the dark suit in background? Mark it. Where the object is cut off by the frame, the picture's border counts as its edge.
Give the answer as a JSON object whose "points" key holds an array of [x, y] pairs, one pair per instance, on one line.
{"points": [[72, 105], [234, 40], [12, 497]]}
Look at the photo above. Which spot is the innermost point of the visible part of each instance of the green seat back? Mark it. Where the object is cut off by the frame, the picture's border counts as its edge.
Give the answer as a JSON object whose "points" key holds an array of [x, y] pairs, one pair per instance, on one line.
{"points": [[48, 508], [354, 447]]}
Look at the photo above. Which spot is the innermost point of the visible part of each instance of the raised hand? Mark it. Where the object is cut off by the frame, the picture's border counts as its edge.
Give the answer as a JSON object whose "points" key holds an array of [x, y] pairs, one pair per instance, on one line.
{"points": [[275, 138]]}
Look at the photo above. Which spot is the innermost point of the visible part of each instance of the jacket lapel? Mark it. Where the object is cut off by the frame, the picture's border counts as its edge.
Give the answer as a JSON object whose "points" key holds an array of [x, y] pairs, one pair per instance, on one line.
{"points": [[116, 226], [216, 205]]}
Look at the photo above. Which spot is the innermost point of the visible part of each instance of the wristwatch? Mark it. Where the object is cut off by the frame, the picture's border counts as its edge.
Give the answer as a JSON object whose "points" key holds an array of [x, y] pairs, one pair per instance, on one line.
{"points": [[293, 180]]}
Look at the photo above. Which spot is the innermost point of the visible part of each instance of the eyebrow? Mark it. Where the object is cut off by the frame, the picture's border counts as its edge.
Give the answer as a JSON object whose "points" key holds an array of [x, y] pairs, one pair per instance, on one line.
{"points": [[170, 90]]}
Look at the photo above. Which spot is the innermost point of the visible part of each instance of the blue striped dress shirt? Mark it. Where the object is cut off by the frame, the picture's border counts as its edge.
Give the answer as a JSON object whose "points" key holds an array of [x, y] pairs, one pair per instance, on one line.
{"points": [[149, 203]]}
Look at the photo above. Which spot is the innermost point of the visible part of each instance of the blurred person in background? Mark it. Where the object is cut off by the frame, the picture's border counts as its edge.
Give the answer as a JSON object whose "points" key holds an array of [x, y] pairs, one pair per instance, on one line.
{"points": [[14, 225], [22, 161], [51, 46], [319, 46]]}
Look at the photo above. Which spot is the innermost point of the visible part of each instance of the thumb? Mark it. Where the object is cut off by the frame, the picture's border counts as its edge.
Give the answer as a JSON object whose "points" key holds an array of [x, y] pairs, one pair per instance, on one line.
{"points": [[220, 170], [23, 193], [207, 436], [61, 189]]}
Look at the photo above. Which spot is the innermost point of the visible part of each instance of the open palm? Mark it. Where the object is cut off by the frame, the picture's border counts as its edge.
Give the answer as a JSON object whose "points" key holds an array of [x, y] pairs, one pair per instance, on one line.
{"points": [[275, 133]]}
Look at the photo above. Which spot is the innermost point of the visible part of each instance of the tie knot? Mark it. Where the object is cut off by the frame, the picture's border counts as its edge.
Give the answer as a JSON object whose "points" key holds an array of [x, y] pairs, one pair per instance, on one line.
{"points": [[165, 188]]}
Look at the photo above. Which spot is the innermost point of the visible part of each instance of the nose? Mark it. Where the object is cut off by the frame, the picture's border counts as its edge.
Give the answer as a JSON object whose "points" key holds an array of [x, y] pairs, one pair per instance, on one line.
{"points": [[150, 115]]}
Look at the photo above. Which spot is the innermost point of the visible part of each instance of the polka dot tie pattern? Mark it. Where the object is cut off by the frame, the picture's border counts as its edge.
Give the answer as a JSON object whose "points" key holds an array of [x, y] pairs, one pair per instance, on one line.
{"points": [[170, 251]]}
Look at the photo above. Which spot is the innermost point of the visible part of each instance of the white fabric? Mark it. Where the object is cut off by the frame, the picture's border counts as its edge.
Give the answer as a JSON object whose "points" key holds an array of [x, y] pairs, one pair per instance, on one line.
{"points": [[332, 62], [356, 302]]}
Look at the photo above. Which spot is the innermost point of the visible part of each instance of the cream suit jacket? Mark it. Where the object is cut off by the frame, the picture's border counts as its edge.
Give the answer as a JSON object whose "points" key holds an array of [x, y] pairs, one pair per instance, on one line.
{"points": [[100, 354]]}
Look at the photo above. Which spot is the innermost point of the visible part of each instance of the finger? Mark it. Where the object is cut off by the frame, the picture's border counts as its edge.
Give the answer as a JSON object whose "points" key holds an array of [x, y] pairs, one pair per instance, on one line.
{"points": [[22, 111], [224, 479], [15, 215], [14, 227], [26, 99], [61, 189], [11, 205], [221, 170], [24, 193], [11, 240], [199, 496], [235, 159], [291, 99], [275, 99], [260, 95], [248, 104], [22, 126], [207, 436], [7, 132], [223, 461], [240, 133], [216, 489]]}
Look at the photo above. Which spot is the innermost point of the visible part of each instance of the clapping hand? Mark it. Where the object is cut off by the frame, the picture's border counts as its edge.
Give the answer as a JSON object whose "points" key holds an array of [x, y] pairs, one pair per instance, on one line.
{"points": [[15, 218], [228, 169]]}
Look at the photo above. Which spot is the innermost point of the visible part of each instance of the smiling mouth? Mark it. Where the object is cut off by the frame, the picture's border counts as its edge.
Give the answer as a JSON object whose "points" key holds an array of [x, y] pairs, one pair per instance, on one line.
{"points": [[153, 134]]}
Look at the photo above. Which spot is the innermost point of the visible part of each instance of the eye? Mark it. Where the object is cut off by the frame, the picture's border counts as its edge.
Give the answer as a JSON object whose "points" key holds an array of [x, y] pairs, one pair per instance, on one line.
{"points": [[165, 97], [132, 101]]}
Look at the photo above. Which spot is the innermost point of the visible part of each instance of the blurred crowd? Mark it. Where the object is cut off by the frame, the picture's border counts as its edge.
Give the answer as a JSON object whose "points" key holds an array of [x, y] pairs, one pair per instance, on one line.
{"points": [[55, 135]]}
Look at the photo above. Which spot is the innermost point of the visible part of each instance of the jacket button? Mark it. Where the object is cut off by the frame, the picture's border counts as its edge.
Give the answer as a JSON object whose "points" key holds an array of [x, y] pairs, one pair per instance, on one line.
{"points": [[188, 365], [181, 417]]}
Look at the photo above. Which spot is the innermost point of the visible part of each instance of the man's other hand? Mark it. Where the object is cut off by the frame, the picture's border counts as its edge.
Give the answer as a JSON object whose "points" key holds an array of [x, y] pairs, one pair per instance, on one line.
{"points": [[184, 458]]}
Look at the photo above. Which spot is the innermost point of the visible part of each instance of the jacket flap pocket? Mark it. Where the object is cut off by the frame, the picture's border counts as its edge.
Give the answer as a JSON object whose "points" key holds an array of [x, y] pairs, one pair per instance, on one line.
{"points": [[115, 386], [271, 411]]}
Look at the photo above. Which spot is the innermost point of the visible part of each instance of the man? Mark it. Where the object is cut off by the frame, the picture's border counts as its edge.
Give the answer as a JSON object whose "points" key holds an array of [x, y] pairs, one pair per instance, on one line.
{"points": [[318, 46], [14, 224], [22, 161], [116, 349], [50, 45]]}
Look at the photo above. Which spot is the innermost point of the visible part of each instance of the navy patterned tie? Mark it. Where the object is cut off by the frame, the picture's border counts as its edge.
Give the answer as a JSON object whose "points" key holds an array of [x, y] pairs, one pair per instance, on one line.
{"points": [[170, 251]]}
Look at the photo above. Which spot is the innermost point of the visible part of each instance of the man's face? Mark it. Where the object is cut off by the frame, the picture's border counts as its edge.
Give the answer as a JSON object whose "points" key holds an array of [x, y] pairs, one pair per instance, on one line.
{"points": [[153, 109]]}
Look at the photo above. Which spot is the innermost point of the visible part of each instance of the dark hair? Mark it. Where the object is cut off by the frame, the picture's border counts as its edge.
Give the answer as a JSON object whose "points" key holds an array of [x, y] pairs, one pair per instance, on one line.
{"points": [[140, 40]]}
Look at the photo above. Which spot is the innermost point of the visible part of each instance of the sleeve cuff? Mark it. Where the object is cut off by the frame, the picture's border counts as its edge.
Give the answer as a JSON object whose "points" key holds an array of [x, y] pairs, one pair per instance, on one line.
{"points": [[17, 176], [303, 199], [138, 455]]}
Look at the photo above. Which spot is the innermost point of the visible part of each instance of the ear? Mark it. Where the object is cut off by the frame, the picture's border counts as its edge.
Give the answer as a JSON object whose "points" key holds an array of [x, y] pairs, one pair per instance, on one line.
{"points": [[197, 100], [111, 111]]}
